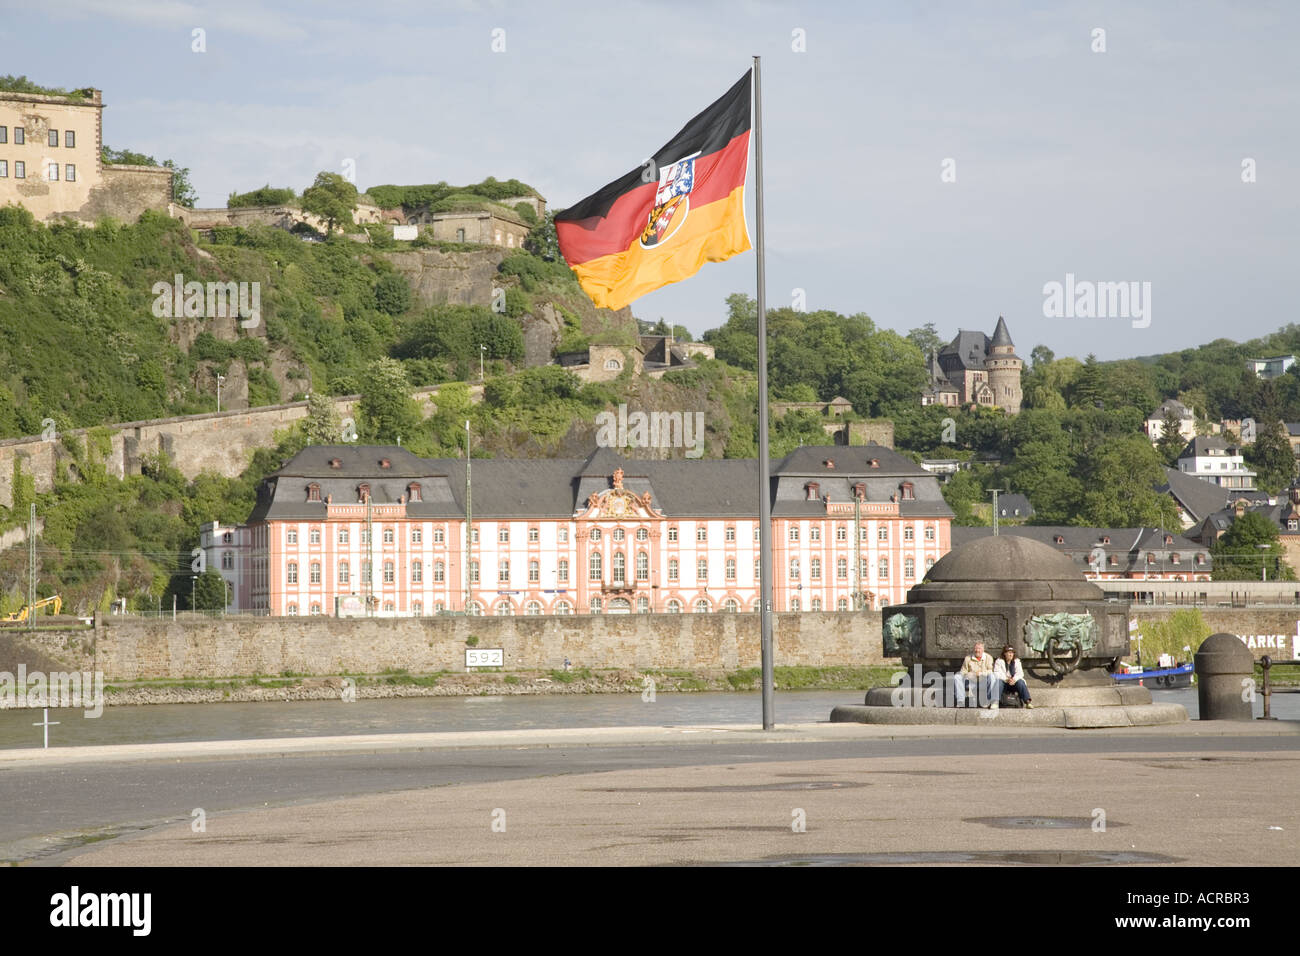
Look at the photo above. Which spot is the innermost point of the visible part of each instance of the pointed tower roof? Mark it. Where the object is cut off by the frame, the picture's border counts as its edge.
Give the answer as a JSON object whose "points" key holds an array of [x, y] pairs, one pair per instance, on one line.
{"points": [[1000, 335]]}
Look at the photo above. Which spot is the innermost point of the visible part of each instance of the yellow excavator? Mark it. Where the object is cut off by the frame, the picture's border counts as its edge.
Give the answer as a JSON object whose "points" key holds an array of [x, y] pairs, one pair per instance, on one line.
{"points": [[30, 609]]}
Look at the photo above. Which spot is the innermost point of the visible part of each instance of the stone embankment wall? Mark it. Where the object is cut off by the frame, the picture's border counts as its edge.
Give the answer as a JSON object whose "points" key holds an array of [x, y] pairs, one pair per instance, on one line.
{"points": [[141, 649]]}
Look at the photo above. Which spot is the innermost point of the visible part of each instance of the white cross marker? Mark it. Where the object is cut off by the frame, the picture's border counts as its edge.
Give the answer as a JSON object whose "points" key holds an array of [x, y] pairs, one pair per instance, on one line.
{"points": [[47, 725]]}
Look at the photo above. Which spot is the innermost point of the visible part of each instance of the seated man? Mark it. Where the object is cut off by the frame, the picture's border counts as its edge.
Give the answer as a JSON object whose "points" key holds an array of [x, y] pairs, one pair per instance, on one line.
{"points": [[1009, 676], [977, 669]]}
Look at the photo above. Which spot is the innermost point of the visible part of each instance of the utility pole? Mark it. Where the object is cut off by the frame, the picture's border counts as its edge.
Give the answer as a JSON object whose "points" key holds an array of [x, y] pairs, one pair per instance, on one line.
{"points": [[370, 560], [995, 509], [469, 517]]}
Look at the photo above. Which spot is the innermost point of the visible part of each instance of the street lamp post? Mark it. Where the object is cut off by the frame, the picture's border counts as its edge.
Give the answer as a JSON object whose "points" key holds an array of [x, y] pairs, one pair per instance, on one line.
{"points": [[482, 350], [220, 379], [193, 581], [1263, 563]]}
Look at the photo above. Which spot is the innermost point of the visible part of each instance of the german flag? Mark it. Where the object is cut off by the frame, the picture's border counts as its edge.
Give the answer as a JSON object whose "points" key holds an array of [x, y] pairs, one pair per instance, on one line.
{"points": [[659, 223]]}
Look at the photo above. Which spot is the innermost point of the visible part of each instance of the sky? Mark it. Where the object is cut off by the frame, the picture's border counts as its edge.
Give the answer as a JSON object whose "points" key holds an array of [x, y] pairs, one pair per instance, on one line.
{"points": [[924, 162]]}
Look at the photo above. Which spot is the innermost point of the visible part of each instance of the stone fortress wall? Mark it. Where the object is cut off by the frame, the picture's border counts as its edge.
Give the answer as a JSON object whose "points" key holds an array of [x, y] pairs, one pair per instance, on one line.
{"points": [[221, 442], [130, 648]]}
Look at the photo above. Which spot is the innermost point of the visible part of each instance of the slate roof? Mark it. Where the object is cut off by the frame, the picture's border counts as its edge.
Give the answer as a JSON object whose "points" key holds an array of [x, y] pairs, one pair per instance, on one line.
{"points": [[967, 351], [1000, 334], [1129, 546], [1202, 445], [1198, 497], [548, 487], [1180, 410], [1014, 506]]}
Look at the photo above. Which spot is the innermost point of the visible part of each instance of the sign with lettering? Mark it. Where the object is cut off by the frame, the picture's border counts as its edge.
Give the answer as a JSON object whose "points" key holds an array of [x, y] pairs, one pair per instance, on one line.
{"points": [[485, 657]]}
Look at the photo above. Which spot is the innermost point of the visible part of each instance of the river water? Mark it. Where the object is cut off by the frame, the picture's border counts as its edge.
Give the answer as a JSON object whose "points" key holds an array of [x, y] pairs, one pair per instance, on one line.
{"points": [[161, 723]]}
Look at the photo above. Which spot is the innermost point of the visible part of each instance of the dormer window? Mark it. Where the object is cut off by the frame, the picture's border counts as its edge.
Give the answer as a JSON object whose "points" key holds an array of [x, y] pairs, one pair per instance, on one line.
{"points": [[363, 493], [907, 491], [1200, 559], [829, 463], [1105, 539], [859, 490], [413, 490], [1059, 539], [813, 490], [313, 492], [336, 462], [1169, 539], [385, 463], [1174, 558], [1151, 558], [875, 463]]}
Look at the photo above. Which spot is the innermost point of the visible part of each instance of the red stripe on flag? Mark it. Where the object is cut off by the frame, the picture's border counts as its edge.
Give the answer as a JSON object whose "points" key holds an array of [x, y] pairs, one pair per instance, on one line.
{"points": [[716, 177]]}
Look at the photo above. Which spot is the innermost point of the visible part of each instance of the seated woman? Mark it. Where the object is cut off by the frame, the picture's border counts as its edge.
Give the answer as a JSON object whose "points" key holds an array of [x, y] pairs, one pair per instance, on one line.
{"points": [[1010, 676]]}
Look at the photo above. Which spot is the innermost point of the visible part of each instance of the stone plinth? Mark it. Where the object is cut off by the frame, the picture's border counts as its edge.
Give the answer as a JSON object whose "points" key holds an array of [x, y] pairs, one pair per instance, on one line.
{"points": [[1019, 592]]}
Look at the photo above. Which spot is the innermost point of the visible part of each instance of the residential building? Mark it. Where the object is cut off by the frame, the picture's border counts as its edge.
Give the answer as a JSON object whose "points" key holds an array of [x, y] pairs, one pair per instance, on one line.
{"points": [[377, 527], [1267, 368], [1212, 459], [1155, 423], [226, 550]]}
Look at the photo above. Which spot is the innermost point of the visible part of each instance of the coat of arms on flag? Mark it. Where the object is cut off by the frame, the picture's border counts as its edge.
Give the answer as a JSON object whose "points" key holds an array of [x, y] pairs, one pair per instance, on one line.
{"points": [[672, 202], [632, 236]]}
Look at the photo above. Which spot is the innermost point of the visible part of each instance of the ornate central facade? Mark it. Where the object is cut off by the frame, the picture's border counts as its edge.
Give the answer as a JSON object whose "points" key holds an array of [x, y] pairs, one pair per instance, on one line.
{"points": [[355, 530]]}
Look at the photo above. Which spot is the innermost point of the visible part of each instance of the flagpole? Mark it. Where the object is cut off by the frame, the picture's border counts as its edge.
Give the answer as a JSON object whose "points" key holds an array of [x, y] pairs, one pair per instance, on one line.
{"points": [[765, 483]]}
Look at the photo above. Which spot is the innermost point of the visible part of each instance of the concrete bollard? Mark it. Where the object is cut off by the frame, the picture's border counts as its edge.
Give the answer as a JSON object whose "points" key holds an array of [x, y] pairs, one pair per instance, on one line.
{"points": [[1224, 666]]}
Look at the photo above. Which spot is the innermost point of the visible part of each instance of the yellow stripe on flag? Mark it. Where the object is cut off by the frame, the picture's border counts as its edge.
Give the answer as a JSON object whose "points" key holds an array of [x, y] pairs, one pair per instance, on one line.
{"points": [[710, 233]]}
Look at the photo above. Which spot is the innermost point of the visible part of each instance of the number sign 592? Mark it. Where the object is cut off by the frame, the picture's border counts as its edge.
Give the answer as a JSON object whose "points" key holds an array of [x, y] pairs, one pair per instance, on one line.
{"points": [[485, 657]]}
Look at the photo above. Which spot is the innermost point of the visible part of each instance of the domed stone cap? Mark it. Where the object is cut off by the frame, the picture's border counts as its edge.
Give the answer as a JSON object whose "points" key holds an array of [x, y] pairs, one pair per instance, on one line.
{"points": [[1002, 568]]}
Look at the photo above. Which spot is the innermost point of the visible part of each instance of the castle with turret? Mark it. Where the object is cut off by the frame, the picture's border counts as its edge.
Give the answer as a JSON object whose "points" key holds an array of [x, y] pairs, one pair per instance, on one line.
{"points": [[974, 369]]}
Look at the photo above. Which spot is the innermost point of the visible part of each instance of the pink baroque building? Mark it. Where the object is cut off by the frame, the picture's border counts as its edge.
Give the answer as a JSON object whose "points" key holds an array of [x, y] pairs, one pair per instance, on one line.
{"points": [[349, 530]]}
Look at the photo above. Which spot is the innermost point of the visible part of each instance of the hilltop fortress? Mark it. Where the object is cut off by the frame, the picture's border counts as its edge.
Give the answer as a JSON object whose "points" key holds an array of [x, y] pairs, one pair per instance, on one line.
{"points": [[51, 161]]}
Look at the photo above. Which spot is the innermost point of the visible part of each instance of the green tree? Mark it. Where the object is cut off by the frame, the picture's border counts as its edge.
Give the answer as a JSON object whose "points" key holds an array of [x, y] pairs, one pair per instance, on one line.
{"points": [[1250, 549], [1271, 456], [392, 294], [322, 425], [210, 591], [388, 412], [183, 192], [1120, 487], [542, 241], [1088, 390], [266, 196], [1171, 441], [963, 491], [926, 338], [332, 198]]}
